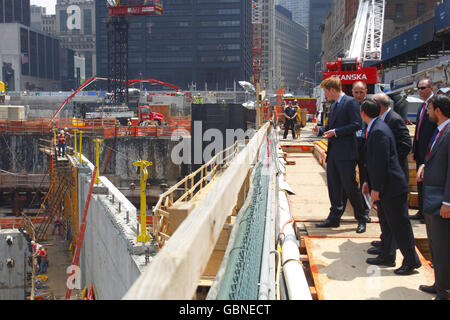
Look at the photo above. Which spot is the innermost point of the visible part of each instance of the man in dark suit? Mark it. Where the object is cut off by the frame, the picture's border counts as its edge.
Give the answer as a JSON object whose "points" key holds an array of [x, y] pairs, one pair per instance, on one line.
{"points": [[342, 154], [403, 144], [389, 190], [424, 132], [359, 92], [435, 173]]}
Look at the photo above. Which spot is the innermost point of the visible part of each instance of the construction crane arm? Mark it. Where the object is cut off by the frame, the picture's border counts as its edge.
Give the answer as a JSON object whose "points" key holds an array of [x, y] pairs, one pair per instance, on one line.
{"points": [[367, 37]]}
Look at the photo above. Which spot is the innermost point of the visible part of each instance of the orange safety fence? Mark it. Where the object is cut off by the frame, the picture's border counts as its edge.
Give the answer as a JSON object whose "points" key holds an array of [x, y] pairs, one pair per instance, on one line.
{"points": [[106, 128], [15, 222]]}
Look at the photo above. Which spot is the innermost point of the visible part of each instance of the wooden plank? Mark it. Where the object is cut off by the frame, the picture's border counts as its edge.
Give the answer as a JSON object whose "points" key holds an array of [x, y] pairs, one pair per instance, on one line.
{"points": [[340, 272], [176, 269]]}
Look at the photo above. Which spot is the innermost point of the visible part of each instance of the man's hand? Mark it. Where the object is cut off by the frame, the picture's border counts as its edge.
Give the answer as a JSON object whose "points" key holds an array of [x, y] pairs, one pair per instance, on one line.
{"points": [[365, 188], [419, 174], [445, 211], [315, 130], [329, 134], [375, 195]]}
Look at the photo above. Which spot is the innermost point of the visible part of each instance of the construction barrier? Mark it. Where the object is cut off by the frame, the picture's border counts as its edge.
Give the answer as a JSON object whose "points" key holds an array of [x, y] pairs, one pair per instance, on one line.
{"points": [[16, 222]]}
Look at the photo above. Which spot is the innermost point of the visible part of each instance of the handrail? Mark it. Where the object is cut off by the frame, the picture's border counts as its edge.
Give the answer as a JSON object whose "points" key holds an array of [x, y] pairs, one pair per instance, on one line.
{"points": [[166, 199]]}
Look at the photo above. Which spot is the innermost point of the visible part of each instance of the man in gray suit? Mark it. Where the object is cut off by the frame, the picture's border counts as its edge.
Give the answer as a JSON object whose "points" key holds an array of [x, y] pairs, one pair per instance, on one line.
{"points": [[435, 174]]}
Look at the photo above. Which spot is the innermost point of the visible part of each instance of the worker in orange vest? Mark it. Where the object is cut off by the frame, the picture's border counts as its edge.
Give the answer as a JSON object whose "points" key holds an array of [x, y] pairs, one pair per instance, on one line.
{"points": [[43, 264], [61, 143]]}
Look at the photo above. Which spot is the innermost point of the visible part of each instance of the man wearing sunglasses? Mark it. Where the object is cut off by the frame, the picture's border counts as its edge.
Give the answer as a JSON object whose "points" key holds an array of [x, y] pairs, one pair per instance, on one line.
{"points": [[423, 134]]}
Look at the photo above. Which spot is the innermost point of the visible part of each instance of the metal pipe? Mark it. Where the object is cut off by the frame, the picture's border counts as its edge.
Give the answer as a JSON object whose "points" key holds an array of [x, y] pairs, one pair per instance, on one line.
{"points": [[297, 286]]}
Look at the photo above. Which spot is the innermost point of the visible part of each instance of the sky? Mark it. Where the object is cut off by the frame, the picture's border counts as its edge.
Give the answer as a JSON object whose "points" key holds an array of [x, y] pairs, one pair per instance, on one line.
{"points": [[49, 4]]}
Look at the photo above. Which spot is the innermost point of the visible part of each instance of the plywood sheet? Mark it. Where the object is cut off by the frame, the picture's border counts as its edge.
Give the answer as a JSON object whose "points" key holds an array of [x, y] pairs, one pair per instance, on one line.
{"points": [[341, 273]]}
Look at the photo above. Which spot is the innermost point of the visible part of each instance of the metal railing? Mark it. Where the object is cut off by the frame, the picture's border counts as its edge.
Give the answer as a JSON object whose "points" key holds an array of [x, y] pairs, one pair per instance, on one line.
{"points": [[191, 187]]}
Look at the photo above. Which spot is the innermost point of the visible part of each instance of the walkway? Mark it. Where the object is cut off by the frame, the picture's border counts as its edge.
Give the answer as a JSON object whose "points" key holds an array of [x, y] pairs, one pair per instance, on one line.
{"points": [[336, 256]]}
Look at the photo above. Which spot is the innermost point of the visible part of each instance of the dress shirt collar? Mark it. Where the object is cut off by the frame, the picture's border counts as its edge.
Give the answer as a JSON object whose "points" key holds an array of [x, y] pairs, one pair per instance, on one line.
{"points": [[385, 114], [370, 124], [340, 98], [443, 124]]}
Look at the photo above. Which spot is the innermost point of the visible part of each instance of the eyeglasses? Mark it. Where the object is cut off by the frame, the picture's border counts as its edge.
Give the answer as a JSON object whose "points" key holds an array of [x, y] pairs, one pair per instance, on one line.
{"points": [[422, 88]]}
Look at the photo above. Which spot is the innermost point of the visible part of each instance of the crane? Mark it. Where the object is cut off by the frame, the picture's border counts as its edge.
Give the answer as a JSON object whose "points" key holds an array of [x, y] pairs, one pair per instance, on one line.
{"points": [[365, 46], [118, 42], [257, 55]]}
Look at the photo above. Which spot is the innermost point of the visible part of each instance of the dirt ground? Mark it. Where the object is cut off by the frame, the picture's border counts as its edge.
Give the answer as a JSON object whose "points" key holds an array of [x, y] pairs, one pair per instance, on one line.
{"points": [[59, 260]]}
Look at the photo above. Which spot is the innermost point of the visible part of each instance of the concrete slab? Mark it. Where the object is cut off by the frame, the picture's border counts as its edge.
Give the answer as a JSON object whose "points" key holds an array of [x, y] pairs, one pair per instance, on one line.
{"points": [[340, 272]]}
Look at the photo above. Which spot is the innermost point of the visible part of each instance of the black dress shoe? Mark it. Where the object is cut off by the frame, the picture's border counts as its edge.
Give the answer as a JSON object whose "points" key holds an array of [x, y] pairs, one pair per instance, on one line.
{"points": [[440, 298], [427, 289], [374, 250], [328, 224], [417, 216], [406, 270], [379, 261], [376, 243], [361, 227]]}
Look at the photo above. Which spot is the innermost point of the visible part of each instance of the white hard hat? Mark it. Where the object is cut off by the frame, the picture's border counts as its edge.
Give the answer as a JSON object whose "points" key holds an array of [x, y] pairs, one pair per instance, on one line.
{"points": [[39, 246], [62, 131], [32, 242]]}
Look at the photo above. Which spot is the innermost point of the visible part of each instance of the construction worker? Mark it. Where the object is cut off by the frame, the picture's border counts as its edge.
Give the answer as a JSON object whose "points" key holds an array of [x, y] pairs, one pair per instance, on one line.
{"points": [[62, 138], [36, 254], [129, 126], [58, 225], [43, 263], [198, 99]]}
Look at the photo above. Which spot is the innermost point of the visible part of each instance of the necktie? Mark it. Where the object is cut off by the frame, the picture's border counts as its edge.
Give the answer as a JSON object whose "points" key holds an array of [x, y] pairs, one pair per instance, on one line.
{"points": [[420, 121], [433, 138], [334, 112]]}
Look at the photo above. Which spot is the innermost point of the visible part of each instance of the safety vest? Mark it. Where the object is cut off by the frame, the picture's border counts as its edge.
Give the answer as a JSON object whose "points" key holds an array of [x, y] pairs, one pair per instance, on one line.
{"points": [[34, 246], [61, 138], [42, 253]]}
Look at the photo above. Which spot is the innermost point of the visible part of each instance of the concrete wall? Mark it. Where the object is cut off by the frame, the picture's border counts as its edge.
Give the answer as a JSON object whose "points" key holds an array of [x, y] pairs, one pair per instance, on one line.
{"points": [[111, 260], [12, 284], [21, 154]]}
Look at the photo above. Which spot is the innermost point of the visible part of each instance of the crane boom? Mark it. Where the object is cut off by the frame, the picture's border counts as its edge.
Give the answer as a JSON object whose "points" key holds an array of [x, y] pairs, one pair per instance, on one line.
{"points": [[367, 38]]}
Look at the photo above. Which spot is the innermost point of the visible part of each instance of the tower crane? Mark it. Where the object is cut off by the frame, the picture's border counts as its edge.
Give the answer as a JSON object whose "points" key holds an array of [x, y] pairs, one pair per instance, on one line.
{"points": [[118, 27], [365, 46]]}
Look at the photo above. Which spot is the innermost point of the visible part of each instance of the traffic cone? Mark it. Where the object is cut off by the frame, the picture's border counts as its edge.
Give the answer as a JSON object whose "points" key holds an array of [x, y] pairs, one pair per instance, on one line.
{"points": [[315, 119]]}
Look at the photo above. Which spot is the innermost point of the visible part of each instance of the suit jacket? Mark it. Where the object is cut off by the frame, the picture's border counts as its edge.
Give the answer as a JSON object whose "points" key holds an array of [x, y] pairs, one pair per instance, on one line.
{"points": [[384, 171], [420, 148], [402, 138], [346, 120], [437, 165]]}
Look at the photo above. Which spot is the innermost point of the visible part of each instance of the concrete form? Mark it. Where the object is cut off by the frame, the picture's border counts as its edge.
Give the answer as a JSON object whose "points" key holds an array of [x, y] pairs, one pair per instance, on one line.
{"points": [[12, 265]]}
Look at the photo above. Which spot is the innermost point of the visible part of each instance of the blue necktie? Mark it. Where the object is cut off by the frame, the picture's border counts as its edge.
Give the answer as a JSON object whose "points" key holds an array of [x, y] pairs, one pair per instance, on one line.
{"points": [[435, 134]]}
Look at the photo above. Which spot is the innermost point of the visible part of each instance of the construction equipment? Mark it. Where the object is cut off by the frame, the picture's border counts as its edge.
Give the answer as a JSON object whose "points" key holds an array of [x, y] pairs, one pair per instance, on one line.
{"points": [[118, 42], [2, 92], [366, 44], [257, 56]]}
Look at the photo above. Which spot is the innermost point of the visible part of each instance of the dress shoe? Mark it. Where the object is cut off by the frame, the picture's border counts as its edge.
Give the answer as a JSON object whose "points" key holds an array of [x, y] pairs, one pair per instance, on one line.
{"points": [[374, 250], [328, 224], [427, 289], [440, 298], [361, 227], [417, 216], [379, 261], [406, 270], [376, 243]]}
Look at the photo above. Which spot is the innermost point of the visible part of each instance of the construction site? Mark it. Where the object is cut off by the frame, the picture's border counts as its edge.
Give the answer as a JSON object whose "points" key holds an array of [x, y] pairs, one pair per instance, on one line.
{"points": [[160, 193]]}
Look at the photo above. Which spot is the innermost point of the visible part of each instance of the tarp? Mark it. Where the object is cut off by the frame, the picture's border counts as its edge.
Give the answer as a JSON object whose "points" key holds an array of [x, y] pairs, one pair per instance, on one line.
{"points": [[442, 16]]}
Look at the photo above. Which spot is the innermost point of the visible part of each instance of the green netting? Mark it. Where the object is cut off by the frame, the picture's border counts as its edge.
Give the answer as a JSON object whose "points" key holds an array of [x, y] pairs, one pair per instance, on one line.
{"points": [[241, 277]]}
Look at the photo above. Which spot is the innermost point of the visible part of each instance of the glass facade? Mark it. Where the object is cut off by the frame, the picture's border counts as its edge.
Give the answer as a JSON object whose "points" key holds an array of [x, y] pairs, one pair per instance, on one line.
{"points": [[319, 10], [299, 9], [201, 42], [15, 11]]}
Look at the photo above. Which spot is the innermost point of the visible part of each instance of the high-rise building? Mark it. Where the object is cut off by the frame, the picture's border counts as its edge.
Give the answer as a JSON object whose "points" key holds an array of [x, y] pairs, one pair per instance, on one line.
{"points": [[37, 13], [15, 11], [299, 9], [196, 42], [30, 59], [318, 12], [75, 26], [291, 52]]}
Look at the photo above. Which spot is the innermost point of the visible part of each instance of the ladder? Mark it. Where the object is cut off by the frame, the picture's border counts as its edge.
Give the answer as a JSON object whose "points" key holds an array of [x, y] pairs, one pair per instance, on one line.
{"points": [[367, 37]]}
